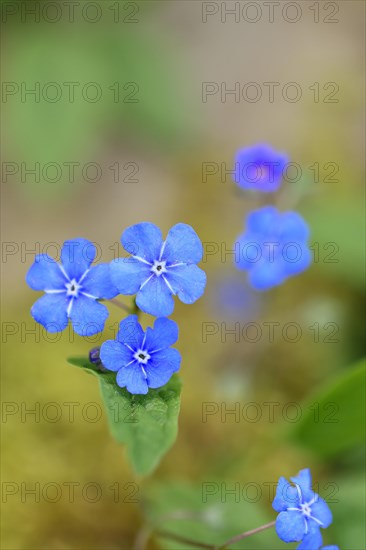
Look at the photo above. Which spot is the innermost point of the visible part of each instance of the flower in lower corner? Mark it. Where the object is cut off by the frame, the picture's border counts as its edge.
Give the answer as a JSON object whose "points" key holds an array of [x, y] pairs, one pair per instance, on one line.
{"points": [[157, 269], [260, 168], [302, 512], [141, 359], [273, 247], [72, 289]]}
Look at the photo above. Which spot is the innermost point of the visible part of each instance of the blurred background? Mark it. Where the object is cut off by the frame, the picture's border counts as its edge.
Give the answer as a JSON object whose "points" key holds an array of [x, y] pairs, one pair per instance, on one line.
{"points": [[121, 112]]}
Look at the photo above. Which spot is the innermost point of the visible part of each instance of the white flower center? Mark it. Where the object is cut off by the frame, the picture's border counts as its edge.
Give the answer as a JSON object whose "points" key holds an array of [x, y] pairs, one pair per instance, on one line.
{"points": [[72, 288], [159, 267], [305, 509], [142, 356]]}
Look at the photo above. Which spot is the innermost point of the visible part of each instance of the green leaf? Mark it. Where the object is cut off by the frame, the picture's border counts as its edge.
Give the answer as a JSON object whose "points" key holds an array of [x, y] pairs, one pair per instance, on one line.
{"points": [[146, 424], [338, 247], [335, 418], [348, 527]]}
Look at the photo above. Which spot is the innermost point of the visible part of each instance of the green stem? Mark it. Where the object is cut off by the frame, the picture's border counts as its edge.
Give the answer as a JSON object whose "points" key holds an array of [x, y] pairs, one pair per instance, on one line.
{"points": [[198, 544], [125, 308], [135, 310], [244, 535]]}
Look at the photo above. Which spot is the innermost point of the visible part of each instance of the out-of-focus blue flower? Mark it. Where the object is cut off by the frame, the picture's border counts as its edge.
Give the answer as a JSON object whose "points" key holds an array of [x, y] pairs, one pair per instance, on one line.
{"points": [[302, 512], [259, 167], [72, 289], [233, 299], [142, 360], [331, 547], [159, 269], [273, 247]]}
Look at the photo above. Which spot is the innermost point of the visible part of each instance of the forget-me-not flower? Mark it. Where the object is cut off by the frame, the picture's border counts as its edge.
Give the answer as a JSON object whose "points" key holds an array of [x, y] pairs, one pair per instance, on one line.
{"points": [[141, 359], [158, 269], [273, 247], [72, 289], [260, 168], [302, 512]]}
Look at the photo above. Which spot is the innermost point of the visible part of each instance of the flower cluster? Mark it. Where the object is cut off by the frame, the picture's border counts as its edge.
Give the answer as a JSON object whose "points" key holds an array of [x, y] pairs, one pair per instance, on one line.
{"points": [[156, 271], [301, 512], [274, 245]]}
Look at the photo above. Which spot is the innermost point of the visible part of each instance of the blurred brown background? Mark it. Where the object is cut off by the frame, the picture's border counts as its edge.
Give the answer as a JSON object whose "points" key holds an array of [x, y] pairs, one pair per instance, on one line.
{"points": [[146, 116]]}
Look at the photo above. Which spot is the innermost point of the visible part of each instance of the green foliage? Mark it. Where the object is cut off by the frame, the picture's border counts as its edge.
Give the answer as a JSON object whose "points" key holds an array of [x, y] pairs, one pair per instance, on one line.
{"points": [[335, 421], [337, 234], [92, 84], [146, 424], [187, 510], [348, 527]]}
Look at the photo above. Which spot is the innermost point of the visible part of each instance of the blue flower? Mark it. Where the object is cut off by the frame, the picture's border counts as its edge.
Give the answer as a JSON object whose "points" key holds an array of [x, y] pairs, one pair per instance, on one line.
{"points": [[331, 547], [259, 167], [302, 512], [72, 289], [233, 299], [141, 359], [273, 247], [159, 269]]}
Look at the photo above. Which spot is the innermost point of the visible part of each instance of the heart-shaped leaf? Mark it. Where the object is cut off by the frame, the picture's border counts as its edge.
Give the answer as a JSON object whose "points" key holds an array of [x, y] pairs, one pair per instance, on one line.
{"points": [[146, 424]]}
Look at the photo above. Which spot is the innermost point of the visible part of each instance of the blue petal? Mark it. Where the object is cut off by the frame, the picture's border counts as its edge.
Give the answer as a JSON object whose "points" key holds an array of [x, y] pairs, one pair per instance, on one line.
{"points": [[129, 274], [263, 220], [331, 547], [115, 355], [130, 332], [155, 298], [303, 480], [161, 366], [45, 274], [88, 316], [321, 511], [286, 496], [266, 275], [290, 526], [263, 157], [248, 251], [163, 335], [51, 312], [143, 240], [132, 378], [76, 257], [282, 159], [187, 281], [182, 245], [296, 258], [98, 282], [293, 227], [313, 539], [261, 152]]}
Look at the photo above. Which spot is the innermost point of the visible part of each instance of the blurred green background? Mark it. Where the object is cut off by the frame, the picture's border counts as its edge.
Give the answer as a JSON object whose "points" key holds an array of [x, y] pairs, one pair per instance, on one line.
{"points": [[160, 133]]}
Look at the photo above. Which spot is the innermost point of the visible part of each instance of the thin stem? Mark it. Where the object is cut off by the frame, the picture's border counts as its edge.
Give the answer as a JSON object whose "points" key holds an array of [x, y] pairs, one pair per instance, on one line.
{"points": [[198, 544], [121, 306], [135, 309], [145, 533], [244, 535]]}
